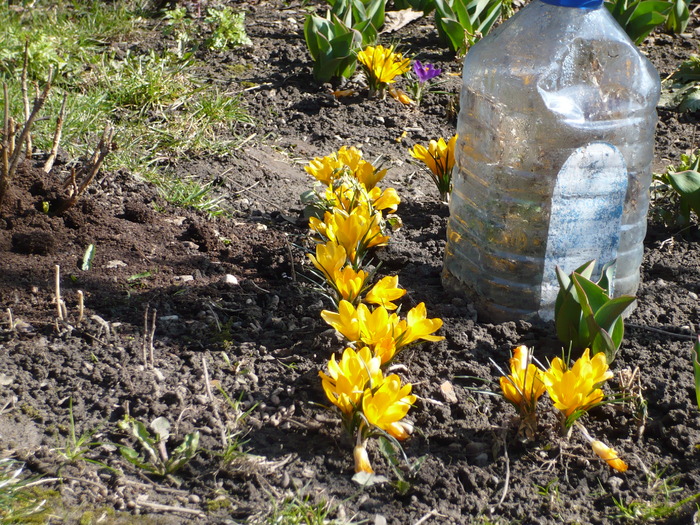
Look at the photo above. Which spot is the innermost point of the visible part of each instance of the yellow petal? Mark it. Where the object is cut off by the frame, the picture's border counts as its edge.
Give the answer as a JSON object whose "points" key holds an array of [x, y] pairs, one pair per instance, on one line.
{"points": [[362, 463], [609, 455]]}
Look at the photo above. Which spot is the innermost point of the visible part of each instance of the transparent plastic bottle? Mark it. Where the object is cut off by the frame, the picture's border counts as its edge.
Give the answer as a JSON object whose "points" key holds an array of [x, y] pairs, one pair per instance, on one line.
{"points": [[553, 160]]}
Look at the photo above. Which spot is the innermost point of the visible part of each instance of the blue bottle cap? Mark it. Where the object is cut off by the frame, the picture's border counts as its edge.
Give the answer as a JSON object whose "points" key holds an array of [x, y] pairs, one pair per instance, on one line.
{"points": [[582, 4]]}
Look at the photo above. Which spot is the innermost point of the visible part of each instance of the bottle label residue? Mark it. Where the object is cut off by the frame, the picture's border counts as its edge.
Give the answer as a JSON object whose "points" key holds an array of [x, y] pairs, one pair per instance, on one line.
{"points": [[586, 215]]}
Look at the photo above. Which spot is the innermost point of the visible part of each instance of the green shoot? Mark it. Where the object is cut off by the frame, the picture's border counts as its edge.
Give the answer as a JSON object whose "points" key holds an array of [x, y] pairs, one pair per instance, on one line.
{"points": [[405, 471], [76, 447], [157, 460], [585, 315]]}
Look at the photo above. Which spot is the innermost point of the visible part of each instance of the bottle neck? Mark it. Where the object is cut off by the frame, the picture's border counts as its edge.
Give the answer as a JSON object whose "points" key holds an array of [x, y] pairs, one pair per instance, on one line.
{"points": [[581, 4]]}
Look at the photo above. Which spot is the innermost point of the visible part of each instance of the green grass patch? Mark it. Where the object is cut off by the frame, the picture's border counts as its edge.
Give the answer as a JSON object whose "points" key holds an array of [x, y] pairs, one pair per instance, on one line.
{"points": [[159, 107]]}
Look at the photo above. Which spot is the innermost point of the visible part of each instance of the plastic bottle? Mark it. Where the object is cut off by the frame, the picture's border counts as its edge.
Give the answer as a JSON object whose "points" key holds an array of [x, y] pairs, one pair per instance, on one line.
{"points": [[553, 160]]}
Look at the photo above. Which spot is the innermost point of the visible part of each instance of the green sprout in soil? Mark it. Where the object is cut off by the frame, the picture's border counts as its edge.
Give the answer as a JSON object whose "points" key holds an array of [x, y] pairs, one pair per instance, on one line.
{"points": [[77, 447], [301, 510], [658, 502], [676, 192], [157, 460]]}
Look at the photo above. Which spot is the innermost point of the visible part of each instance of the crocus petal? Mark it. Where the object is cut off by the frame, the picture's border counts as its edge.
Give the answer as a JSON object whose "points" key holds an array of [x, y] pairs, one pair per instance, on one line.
{"points": [[609, 455], [362, 463]]}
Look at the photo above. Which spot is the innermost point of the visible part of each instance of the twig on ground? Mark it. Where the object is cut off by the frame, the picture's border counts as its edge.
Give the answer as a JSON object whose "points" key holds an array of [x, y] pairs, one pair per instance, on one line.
{"points": [[291, 259], [660, 331], [170, 508], [10, 320], [427, 516], [506, 482], [261, 289]]}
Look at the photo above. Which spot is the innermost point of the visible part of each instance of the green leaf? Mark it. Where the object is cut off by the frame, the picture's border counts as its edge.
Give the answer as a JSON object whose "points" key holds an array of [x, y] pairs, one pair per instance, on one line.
{"points": [[648, 15], [587, 327], [595, 294], [687, 184], [567, 310], [639, 18], [388, 450], [88, 256], [611, 311], [183, 453], [607, 276], [604, 343], [586, 269], [678, 16]]}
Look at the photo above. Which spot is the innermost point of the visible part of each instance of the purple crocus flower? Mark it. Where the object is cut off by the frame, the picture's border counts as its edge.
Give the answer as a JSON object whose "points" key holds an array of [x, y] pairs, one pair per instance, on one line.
{"points": [[425, 72]]}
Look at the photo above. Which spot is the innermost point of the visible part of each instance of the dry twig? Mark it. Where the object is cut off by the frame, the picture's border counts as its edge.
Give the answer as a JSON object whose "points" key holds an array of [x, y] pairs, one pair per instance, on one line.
{"points": [[87, 172]]}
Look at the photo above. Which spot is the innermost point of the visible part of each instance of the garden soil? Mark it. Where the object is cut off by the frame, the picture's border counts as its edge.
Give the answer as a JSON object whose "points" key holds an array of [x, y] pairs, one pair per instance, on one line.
{"points": [[235, 312]]}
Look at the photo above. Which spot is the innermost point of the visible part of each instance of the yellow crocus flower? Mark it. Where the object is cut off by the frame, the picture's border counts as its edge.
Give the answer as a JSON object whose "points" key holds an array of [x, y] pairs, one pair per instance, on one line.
{"points": [[576, 390], [382, 65], [385, 349], [524, 385], [384, 406], [418, 326], [609, 455], [439, 159], [325, 169], [347, 380], [349, 283], [330, 258], [345, 160], [375, 325], [357, 230], [385, 291], [387, 200], [345, 320]]}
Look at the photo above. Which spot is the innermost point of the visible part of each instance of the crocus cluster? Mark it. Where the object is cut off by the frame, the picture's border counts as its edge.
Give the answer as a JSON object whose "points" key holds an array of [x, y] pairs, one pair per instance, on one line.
{"points": [[381, 66], [573, 390], [438, 159], [356, 219]]}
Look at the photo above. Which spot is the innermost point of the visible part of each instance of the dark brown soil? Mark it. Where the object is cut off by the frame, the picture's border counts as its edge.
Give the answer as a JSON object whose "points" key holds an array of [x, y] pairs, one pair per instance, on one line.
{"points": [[230, 292]]}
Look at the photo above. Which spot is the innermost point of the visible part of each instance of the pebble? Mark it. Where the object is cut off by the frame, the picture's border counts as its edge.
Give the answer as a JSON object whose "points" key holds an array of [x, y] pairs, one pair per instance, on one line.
{"points": [[193, 498], [448, 392], [693, 296], [379, 520], [230, 279], [184, 278]]}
